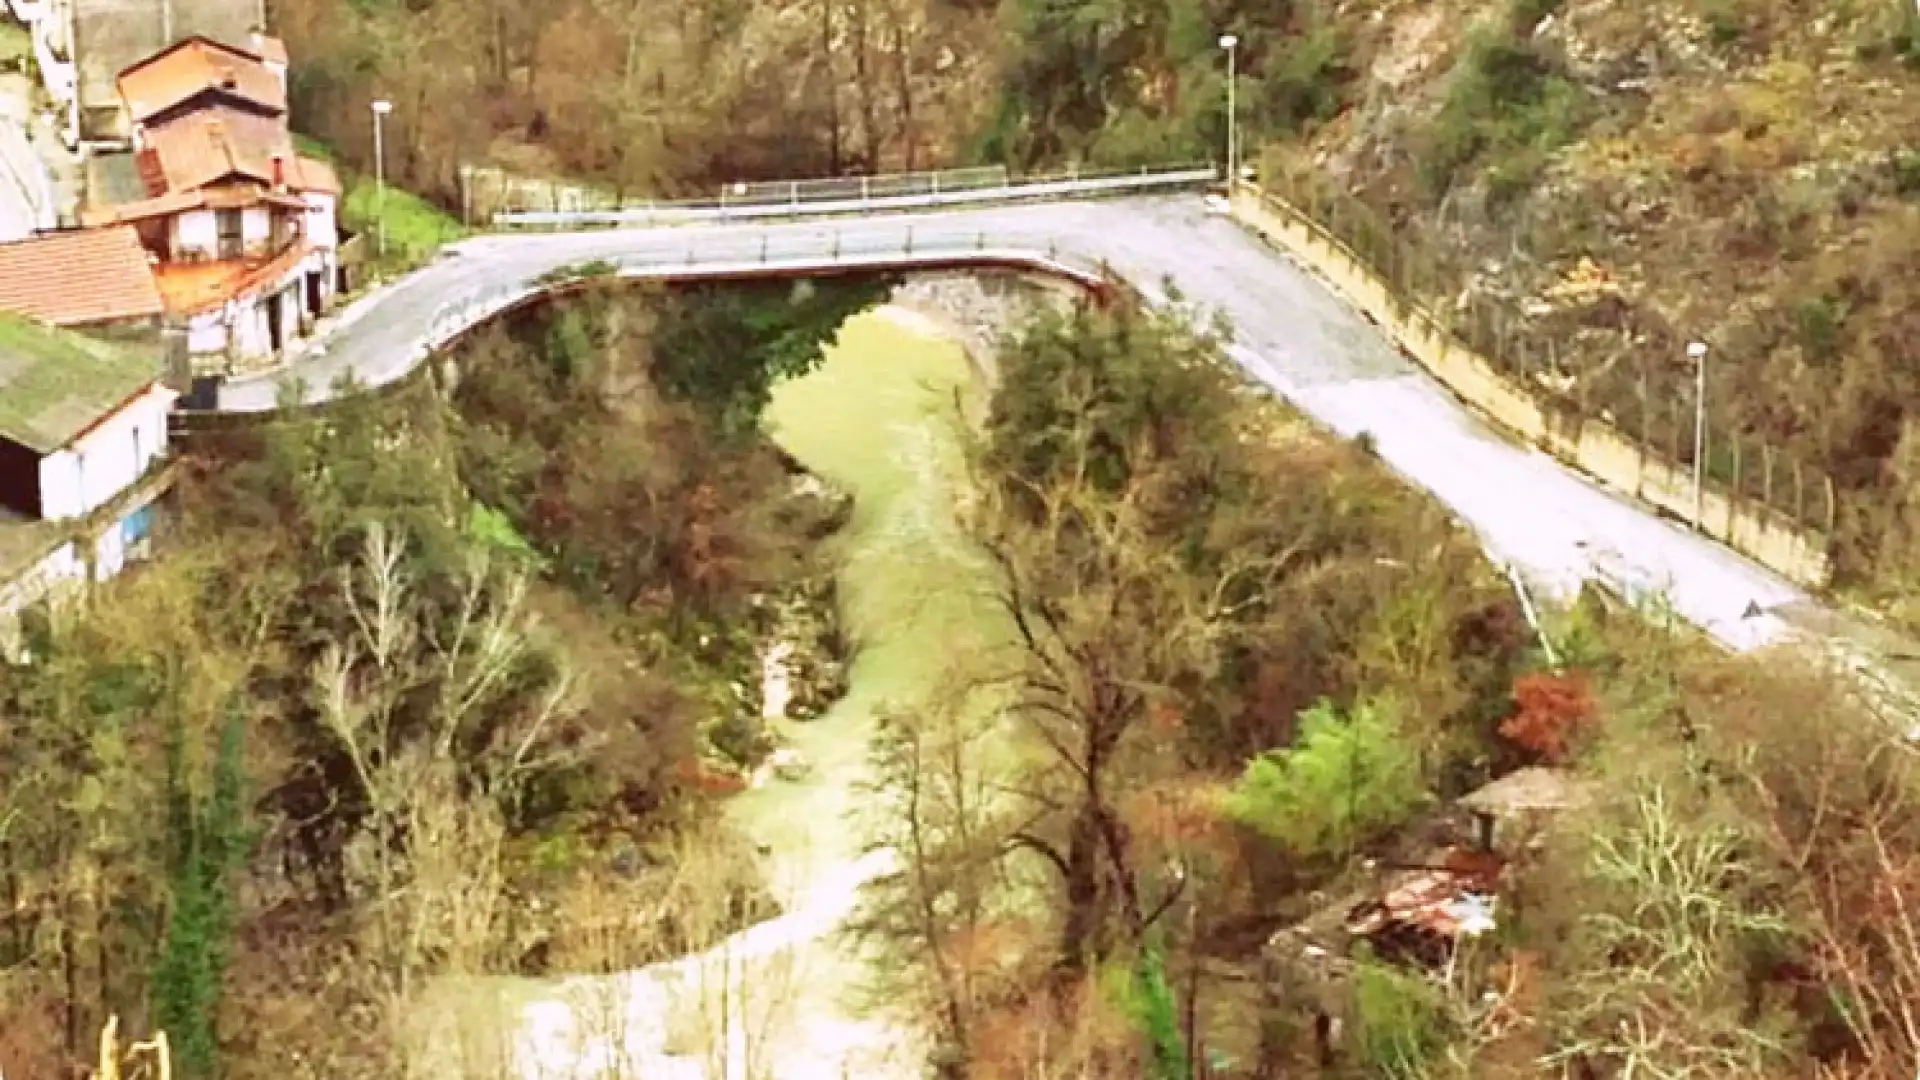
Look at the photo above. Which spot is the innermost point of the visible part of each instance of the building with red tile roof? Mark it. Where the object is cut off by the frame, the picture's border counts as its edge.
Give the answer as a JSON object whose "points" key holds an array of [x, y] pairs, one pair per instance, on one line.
{"points": [[82, 277], [243, 228], [198, 71]]}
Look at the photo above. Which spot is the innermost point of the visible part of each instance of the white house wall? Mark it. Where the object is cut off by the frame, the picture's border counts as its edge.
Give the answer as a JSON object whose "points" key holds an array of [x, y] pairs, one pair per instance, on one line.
{"points": [[207, 333], [195, 232], [256, 228], [323, 230], [106, 461], [241, 323]]}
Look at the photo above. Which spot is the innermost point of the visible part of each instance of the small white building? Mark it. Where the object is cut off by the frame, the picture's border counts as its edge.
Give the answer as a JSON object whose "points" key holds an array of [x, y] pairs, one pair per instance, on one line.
{"points": [[83, 441]]}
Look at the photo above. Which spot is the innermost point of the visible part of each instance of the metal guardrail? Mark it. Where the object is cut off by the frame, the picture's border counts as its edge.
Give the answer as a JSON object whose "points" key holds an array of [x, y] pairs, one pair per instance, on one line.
{"points": [[839, 251], [499, 192], [838, 199]]}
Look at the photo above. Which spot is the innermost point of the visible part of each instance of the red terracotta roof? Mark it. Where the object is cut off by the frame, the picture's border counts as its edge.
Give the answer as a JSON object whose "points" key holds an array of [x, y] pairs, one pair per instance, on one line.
{"points": [[193, 66], [191, 288], [170, 203], [211, 197], [215, 143], [78, 277]]}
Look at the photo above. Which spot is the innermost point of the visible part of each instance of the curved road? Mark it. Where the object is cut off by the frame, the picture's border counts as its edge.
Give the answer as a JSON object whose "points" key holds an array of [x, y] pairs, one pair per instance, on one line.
{"points": [[1290, 333]]}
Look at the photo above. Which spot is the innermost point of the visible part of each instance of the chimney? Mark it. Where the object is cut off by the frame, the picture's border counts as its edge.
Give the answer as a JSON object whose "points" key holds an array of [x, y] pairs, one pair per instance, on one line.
{"points": [[279, 173]]}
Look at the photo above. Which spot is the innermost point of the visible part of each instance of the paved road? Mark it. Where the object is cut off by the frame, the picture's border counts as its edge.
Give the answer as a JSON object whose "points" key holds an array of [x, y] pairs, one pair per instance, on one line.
{"points": [[1290, 333]]}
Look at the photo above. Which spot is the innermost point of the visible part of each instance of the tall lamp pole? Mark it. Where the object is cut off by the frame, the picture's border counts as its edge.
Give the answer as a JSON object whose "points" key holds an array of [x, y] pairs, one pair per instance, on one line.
{"points": [[1231, 43], [381, 107], [1697, 352]]}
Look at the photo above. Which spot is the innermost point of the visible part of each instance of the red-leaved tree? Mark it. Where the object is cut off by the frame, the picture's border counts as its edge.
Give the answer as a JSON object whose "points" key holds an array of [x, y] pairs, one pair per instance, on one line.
{"points": [[1552, 712]]}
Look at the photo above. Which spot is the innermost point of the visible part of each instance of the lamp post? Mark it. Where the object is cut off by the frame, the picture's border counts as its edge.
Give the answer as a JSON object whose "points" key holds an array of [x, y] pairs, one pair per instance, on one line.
{"points": [[381, 107], [1697, 352], [1231, 43]]}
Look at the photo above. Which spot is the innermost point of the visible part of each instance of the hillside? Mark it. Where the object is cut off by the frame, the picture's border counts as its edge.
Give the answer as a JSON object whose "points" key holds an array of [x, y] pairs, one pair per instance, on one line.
{"points": [[1628, 178], [1619, 179]]}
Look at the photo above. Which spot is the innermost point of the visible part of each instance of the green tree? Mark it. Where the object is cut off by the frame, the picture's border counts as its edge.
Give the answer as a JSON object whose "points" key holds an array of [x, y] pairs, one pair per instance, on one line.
{"points": [[1349, 779], [209, 837], [721, 348], [1157, 1013]]}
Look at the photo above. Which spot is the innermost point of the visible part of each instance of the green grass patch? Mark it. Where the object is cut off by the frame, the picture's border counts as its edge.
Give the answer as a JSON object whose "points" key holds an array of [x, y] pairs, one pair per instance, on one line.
{"points": [[415, 228]]}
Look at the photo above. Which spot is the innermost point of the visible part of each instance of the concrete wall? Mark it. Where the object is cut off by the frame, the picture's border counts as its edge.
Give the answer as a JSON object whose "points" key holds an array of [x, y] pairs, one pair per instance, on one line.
{"points": [[106, 461], [1590, 445], [60, 570]]}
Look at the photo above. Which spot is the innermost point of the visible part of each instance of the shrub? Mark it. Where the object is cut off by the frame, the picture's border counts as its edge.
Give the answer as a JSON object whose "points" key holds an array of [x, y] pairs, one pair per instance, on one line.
{"points": [[1346, 781], [1507, 109], [1551, 714], [1400, 1019]]}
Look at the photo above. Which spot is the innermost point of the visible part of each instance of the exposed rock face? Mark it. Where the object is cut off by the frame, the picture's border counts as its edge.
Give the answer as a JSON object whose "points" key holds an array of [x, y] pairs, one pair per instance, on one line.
{"points": [[787, 658], [812, 650], [976, 309]]}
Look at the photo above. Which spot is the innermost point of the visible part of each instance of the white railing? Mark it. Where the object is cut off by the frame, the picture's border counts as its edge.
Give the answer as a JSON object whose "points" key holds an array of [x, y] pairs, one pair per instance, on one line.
{"points": [[866, 250], [826, 198], [495, 190]]}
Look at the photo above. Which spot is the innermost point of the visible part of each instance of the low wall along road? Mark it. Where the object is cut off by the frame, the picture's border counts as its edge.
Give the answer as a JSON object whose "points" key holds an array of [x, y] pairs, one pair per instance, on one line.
{"points": [[1587, 443], [1301, 327]]}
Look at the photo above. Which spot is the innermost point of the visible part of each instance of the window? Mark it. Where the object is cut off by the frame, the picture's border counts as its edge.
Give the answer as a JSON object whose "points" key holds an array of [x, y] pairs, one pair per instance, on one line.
{"points": [[227, 223]]}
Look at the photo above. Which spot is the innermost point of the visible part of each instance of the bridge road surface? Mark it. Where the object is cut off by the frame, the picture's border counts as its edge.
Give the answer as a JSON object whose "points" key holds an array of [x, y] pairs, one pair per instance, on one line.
{"points": [[1290, 332]]}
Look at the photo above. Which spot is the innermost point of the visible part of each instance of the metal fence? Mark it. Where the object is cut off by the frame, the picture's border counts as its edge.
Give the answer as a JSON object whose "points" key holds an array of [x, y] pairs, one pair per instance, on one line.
{"points": [[492, 195], [1660, 421]]}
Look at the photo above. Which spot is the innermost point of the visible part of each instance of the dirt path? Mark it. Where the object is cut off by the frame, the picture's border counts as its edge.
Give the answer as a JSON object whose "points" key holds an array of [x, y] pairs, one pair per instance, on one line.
{"points": [[784, 1000]]}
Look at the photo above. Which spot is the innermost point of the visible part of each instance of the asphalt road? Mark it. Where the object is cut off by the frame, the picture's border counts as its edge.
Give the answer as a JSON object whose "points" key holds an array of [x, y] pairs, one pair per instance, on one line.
{"points": [[1289, 331]]}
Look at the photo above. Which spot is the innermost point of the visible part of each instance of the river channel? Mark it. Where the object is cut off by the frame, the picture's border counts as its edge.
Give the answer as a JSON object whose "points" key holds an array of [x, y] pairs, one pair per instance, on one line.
{"points": [[784, 999]]}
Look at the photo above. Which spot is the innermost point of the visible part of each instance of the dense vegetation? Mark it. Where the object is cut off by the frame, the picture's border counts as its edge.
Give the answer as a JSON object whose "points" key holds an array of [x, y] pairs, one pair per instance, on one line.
{"points": [[409, 669], [402, 671], [1254, 673], [1618, 182]]}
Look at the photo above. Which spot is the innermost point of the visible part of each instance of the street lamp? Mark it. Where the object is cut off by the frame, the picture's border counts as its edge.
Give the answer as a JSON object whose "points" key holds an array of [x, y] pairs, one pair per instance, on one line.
{"points": [[1231, 43], [381, 107], [1697, 352]]}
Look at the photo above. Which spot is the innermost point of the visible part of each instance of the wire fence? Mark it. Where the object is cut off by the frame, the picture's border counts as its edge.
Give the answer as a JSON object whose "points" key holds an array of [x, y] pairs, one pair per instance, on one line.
{"points": [[1742, 467]]}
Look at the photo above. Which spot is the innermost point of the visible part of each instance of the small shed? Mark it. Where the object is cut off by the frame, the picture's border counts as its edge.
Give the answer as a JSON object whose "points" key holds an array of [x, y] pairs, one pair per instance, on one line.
{"points": [[1525, 795]]}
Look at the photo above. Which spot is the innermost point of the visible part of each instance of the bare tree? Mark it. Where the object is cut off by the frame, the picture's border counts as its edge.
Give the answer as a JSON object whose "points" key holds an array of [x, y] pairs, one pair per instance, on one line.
{"points": [[1674, 903], [935, 926], [423, 704]]}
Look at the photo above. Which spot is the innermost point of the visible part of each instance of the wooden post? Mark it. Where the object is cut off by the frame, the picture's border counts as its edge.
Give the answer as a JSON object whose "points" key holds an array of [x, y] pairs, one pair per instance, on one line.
{"points": [[1766, 475]]}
